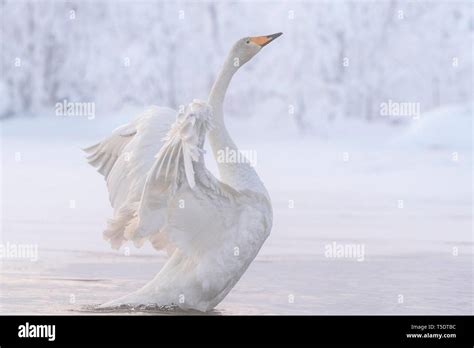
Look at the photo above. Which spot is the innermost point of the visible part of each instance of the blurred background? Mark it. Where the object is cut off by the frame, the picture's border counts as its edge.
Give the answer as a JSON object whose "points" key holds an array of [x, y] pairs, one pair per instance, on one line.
{"points": [[360, 117], [124, 53]]}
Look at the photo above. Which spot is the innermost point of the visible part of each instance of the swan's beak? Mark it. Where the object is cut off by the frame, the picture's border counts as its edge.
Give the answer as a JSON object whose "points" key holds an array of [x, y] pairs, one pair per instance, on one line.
{"points": [[264, 40]]}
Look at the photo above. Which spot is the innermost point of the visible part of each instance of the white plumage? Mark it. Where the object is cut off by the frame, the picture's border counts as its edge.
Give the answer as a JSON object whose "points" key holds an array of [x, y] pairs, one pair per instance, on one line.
{"points": [[161, 191]]}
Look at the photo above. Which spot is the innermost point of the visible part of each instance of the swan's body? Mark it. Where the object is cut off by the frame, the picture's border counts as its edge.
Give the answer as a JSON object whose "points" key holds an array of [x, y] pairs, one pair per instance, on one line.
{"points": [[162, 191]]}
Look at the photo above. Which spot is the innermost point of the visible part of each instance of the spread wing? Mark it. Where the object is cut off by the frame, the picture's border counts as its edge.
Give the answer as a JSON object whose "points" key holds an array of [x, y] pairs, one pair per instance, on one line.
{"points": [[125, 157], [158, 184], [182, 203]]}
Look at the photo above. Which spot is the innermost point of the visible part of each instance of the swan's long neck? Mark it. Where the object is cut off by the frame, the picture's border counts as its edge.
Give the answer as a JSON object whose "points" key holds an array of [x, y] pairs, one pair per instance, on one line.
{"points": [[238, 174], [219, 138]]}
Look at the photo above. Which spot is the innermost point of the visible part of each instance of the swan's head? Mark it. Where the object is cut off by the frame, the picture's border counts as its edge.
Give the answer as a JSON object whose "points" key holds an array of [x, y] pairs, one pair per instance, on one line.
{"points": [[246, 48]]}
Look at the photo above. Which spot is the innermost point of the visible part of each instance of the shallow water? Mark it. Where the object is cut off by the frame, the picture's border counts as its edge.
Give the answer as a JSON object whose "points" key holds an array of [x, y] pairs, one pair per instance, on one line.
{"points": [[75, 282]]}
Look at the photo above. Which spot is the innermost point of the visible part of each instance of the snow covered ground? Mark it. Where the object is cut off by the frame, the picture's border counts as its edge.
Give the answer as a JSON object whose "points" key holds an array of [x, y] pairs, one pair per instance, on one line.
{"points": [[403, 193]]}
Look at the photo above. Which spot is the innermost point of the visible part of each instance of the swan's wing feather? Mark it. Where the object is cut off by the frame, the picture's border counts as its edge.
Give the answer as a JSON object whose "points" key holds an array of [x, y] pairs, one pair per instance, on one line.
{"points": [[188, 165], [129, 153], [105, 153], [179, 185]]}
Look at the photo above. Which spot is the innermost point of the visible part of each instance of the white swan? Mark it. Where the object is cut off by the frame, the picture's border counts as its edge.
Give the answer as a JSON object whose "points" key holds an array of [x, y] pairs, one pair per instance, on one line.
{"points": [[162, 191]]}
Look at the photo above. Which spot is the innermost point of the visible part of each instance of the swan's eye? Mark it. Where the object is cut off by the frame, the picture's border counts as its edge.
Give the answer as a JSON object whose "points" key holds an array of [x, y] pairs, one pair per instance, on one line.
{"points": [[248, 41]]}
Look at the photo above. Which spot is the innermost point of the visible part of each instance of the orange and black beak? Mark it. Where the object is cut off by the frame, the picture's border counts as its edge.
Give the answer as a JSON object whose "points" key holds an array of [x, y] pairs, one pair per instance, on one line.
{"points": [[264, 40]]}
